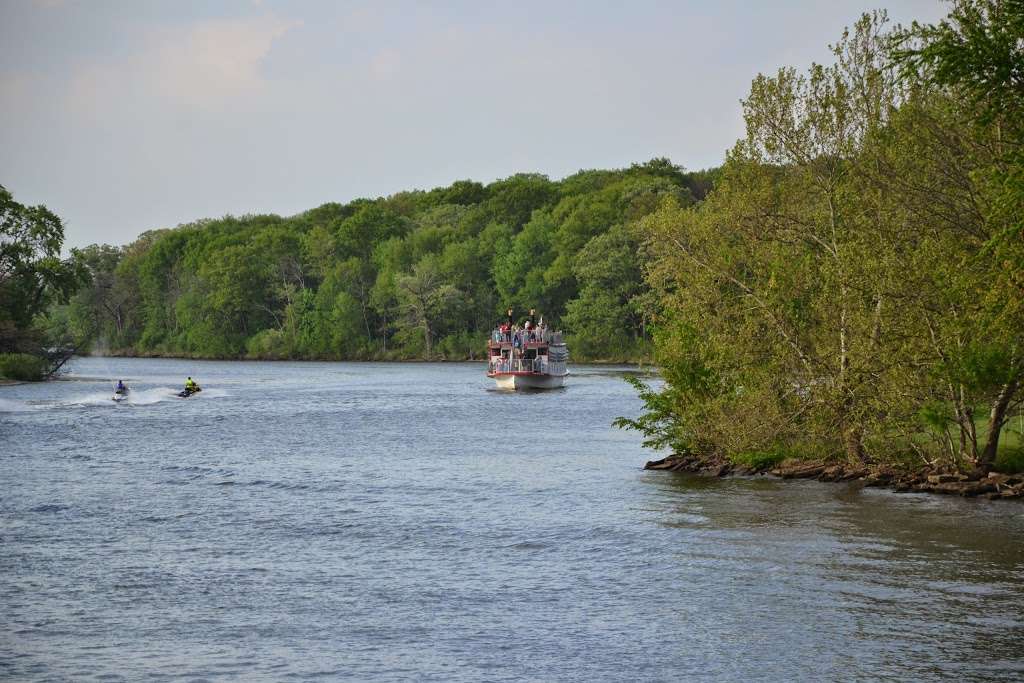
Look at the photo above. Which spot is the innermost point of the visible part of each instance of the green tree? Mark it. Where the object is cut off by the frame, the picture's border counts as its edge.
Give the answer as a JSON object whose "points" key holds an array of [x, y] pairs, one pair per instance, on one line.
{"points": [[33, 277], [32, 274], [603, 320], [426, 297]]}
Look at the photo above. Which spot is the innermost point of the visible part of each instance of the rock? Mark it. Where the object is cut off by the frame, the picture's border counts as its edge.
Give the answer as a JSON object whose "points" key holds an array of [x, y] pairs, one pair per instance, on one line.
{"points": [[880, 478], [691, 465], [996, 478], [834, 473], [969, 489], [990, 485], [663, 464], [803, 472]]}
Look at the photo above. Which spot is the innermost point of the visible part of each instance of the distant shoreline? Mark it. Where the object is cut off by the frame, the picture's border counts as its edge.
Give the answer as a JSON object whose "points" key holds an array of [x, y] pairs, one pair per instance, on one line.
{"points": [[642, 363]]}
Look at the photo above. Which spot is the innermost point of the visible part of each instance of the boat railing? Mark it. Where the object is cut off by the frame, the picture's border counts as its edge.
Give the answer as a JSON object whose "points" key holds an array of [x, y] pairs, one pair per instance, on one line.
{"points": [[542, 365], [513, 365], [548, 336]]}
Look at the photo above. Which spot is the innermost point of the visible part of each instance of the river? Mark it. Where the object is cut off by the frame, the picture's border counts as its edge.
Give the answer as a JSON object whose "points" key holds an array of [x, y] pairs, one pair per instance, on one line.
{"points": [[405, 521]]}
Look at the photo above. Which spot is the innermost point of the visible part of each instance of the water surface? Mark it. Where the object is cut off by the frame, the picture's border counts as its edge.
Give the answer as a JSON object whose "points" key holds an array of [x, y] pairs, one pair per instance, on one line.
{"points": [[405, 521]]}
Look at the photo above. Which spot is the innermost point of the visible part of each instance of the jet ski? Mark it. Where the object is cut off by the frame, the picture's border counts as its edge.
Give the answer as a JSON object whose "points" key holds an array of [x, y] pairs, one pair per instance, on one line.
{"points": [[120, 394], [188, 392]]}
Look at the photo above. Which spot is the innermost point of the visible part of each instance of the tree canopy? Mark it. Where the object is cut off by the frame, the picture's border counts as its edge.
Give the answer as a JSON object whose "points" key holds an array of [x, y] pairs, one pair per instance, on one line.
{"points": [[419, 274], [853, 285]]}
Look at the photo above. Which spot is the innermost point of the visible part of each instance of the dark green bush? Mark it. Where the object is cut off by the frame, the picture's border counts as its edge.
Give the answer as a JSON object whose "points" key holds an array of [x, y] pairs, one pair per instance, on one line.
{"points": [[22, 367]]}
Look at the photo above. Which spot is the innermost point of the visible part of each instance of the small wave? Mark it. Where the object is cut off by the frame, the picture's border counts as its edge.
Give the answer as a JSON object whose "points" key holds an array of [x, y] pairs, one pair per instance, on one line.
{"points": [[264, 483], [528, 545], [150, 396], [158, 519], [212, 393], [50, 508], [9, 406]]}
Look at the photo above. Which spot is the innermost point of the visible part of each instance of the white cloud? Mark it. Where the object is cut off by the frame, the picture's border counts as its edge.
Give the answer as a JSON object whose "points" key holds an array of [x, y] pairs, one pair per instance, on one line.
{"points": [[217, 59], [205, 65]]}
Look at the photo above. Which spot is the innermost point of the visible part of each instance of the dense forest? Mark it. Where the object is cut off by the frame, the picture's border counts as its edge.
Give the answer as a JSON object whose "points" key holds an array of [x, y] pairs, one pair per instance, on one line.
{"points": [[420, 274], [854, 285]]}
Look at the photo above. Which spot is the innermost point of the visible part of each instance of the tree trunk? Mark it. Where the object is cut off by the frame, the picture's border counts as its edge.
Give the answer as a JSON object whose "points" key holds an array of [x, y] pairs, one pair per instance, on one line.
{"points": [[996, 420], [853, 442]]}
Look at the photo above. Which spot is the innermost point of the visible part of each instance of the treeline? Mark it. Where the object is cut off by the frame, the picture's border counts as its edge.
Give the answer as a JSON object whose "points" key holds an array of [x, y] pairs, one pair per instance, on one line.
{"points": [[854, 285], [423, 274]]}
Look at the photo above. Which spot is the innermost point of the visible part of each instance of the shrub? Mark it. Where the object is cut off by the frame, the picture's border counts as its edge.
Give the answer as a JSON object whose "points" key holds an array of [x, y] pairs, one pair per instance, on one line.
{"points": [[759, 460], [22, 367], [268, 344], [1010, 460]]}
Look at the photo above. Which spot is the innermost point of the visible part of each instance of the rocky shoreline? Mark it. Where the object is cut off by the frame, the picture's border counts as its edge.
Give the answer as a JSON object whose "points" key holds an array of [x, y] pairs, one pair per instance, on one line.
{"points": [[992, 485]]}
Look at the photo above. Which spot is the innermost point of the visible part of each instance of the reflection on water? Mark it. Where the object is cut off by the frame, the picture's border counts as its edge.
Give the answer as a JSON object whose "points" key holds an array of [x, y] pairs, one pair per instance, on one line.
{"points": [[397, 521]]}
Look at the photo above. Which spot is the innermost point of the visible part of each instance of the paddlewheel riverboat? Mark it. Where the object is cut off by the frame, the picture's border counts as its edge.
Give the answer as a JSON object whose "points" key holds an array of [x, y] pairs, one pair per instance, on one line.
{"points": [[527, 359]]}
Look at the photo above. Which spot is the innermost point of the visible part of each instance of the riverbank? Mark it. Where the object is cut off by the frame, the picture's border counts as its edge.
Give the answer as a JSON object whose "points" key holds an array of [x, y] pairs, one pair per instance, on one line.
{"points": [[992, 486]]}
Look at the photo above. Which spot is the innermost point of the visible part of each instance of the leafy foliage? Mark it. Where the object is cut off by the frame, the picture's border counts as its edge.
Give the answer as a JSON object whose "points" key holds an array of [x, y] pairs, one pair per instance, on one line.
{"points": [[414, 275], [33, 277], [853, 286]]}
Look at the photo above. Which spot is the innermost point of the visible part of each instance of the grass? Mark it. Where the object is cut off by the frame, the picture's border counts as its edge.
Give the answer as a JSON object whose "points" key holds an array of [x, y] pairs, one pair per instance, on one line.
{"points": [[1010, 457]]}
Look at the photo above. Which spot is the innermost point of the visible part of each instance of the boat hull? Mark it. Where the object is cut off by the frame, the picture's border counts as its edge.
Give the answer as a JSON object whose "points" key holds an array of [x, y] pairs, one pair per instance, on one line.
{"points": [[513, 381]]}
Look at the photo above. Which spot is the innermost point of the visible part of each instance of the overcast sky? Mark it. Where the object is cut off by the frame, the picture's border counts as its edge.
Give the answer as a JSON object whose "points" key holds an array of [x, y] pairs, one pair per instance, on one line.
{"points": [[128, 116]]}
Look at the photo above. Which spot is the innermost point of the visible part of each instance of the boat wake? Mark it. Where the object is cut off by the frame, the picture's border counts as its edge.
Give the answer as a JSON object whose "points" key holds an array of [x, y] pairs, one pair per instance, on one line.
{"points": [[9, 406], [211, 393], [103, 399], [146, 397]]}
